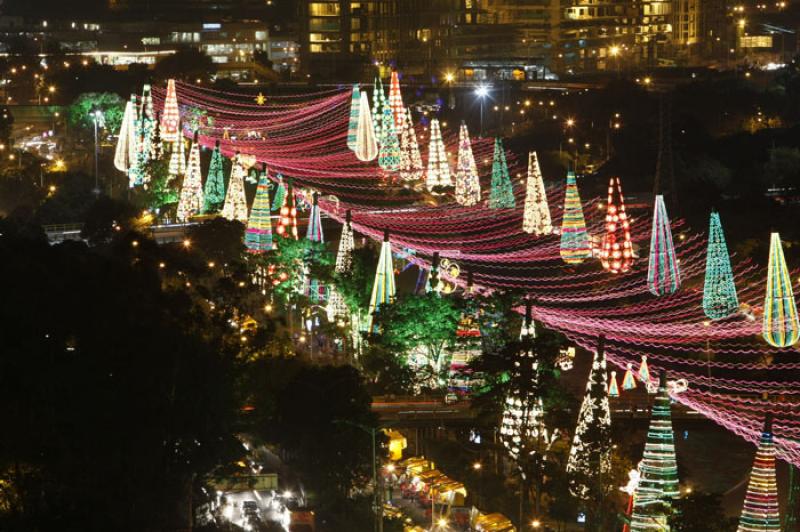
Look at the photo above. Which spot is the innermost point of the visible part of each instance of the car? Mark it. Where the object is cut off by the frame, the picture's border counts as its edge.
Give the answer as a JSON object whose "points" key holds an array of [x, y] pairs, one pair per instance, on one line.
{"points": [[250, 508]]}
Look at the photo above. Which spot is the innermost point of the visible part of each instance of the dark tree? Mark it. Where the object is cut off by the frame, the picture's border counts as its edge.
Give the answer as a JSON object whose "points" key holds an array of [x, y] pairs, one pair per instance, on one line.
{"points": [[187, 64]]}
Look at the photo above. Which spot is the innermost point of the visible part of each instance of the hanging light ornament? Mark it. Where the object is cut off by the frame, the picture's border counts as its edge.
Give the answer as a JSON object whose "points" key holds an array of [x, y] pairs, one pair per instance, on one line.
{"points": [[258, 236], [383, 289], [536, 214], [366, 144], [719, 291], [125, 153], [314, 230], [761, 512], [613, 388], [629, 381], [411, 168], [644, 370], [171, 116], [235, 207], [352, 126], [337, 308], [280, 194], [468, 184], [616, 252], [438, 167], [574, 238], [780, 326], [378, 102], [287, 220], [396, 102], [501, 193], [191, 199], [312, 288], [389, 151], [663, 275]]}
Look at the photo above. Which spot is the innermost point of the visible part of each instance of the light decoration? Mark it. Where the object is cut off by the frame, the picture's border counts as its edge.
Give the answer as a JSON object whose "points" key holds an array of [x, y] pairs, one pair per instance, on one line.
{"points": [[287, 219], [156, 144], [719, 290], [616, 252], [389, 151], [352, 125], [663, 275], [144, 134], [658, 483], [644, 370], [438, 167], [280, 194], [125, 153], [613, 388], [170, 118], [468, 184], [411, 167], [177, 159], [628, 380], [574, 238], [312, 288], [383, 288], [760, 512], [590, 454], [215, 182], [337, 308], [396, 102], [378, 102], [366, 143], [258, 236], [780, 326], [314, 230], [536, 214], [191, 198], [501, 193], [235, 207]]}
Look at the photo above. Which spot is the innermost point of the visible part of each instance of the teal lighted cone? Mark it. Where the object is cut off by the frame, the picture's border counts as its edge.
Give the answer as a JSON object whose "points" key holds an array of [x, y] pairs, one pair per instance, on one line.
{"points": [[501, 194], [352, 128], [314, 231], [215, 183], [574, 238], [719, 290], [780, 327], [658, 482], [389, 153], [280, 194], [378, 102], [663, 275], [383, 288], [760, 512], [258, 237]]}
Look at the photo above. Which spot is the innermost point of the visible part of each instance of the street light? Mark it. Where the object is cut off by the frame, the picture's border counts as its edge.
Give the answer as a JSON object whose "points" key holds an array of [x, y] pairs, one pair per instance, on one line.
{"points": [[98, 119], [482, 91]]}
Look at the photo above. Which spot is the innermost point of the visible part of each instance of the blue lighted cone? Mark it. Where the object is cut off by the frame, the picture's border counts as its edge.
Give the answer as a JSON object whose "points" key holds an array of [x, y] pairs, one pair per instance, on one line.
{"points": [[760, 512], [574, 238], [663, 275], [258, 237], [352, 127], [780, 327], [719, 290]]}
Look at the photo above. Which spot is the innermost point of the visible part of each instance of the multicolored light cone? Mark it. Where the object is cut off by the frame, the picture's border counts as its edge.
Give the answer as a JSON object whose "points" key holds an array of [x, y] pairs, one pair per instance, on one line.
{"points": [[280, 194], [629, 381], [644, 370], [383, 289], [337, 308], [235, 207], [352, 127], [719, 290], [171, 115], [258, 236], [574, 238], [536, 214], [411, 167], [663, 275], [287, 221], [191, 198], [760, 512], [616, 251], [780, 326], [389, 151], [314, 230], [468, 184], [613, 388], [396, 102]]}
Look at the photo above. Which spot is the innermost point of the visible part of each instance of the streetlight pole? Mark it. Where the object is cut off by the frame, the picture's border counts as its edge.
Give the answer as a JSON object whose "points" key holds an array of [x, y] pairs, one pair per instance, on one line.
{"points": [[97, 116], [482, 91], [377, 489]]}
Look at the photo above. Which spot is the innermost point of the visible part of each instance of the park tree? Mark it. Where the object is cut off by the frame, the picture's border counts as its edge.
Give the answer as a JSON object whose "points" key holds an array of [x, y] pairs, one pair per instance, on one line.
{"points": [[111, 105], [186, 64]]}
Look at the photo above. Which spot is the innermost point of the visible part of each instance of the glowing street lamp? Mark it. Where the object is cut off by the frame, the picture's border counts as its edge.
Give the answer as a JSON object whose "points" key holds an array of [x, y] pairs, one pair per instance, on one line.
{"points": [[482, 91]]}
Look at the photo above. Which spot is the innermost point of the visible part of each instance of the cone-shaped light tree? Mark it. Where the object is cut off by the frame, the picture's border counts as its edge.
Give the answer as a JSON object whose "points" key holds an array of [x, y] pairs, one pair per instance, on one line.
{"points": [[468, 184], [383, 288], [574, 238], [760, 512], [378, 102], [438, 166], [536, 214], [396, 102], [258, 236], [590, 454], [215, 182], [235, 207], [719, 291], [501, 193], [411, 167], [352, 125], [312, 288], [125, 153], [658, 482], [287, 219], [389, 151], [663, 275], [314, 230], [280, 194], [191, 198], [177, 159], [171, 116], [616, 252], [144, 135], [344, 264], [780, 326], [366, 143]]}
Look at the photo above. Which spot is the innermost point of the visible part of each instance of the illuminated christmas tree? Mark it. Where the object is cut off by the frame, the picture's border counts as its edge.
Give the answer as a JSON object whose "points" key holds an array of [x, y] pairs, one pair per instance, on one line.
{"points": [[574, 238], [780, 326], [352, 126], [344, 264], [287, 219], [215, 183], [191, 199], [177, 160], [383, 289], [156, 144], [366, 143], [590, 454], [760, 512], [389, 152], [663, 275], [411, 168], [468, 184], [613, 388], [536, 215], [658, 483], [147, 102], [438, 167], [616, 251], [171, 115], [312, 288], [629, 381], [501, 193], [125, 153], [378, 103], [280, 194], [719, 290], [144, 133], [314, 230], [258, 236], [235, 207], [396, 102]]}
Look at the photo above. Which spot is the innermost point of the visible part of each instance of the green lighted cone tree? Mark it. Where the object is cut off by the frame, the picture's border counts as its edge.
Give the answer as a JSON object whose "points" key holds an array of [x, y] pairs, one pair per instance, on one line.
{"points": [[389, 152], [501, 193], [719, 290], [590, 454], [760, 512], [235, 207], [574, 238], [780, 326], [536, 214], [191, 199], [352, 126], [378, 103], [468, 184], [383, 289], [258, 237], [658, 482], [215, 183], [280, 194]]}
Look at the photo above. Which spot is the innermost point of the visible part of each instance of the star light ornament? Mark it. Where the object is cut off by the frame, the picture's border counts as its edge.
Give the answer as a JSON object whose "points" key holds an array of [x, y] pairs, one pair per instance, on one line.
{"points": [[663, 275], [536, 214], [366, 143], [760, 512], [719, 291], [780, 326], [438, 167], [411, 167], [468, 184], [616, 252], [235, 207], [170, 118], [191, 198], [574, 238]]}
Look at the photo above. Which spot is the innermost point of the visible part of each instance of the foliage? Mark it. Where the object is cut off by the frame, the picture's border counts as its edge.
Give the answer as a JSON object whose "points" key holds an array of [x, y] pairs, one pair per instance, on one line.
{"points": [[386, 372], [105, 217], [6, 124], [782, 168], [70, 203], [162, 191], [355, 285], [186, 64], [219, 241], [111, 105], [700, 512], [286, 264]]}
